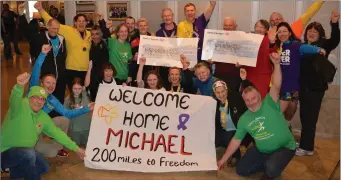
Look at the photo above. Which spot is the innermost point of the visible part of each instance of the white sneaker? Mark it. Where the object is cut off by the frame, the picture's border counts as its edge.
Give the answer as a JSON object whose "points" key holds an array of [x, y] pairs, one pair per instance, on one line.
{"points": [[302, 152], [297, 144]]}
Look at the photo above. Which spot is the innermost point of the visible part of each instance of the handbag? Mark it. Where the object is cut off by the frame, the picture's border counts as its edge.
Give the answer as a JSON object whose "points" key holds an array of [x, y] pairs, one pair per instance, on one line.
{"points": [[324, 68]]}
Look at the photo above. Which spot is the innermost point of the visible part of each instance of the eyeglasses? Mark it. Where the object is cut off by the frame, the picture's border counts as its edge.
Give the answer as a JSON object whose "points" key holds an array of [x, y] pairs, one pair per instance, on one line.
{"points": [[39, 98]]}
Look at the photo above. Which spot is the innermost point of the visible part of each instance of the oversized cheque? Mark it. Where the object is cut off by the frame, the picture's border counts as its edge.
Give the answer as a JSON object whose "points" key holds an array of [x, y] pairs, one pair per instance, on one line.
{"points": [[231, 47], [143, 130], [161, 51]]}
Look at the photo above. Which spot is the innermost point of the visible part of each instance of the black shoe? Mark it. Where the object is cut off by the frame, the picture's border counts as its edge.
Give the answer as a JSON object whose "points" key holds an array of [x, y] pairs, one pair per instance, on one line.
{"points": [[18, 53]]}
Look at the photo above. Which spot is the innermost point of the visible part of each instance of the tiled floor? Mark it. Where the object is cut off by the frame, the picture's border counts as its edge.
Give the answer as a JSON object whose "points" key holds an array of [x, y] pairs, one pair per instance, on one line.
{"points": [[316, 167]]}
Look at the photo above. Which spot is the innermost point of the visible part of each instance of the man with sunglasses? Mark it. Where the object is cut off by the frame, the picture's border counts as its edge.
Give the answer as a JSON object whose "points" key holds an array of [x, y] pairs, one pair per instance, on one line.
{"points": [[24, 122]]}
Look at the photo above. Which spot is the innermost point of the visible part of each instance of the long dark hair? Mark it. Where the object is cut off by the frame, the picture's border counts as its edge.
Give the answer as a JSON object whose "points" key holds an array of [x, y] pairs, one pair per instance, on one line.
{"points": [[292, 36], [159, 80], [319, 28], [78, 81]]}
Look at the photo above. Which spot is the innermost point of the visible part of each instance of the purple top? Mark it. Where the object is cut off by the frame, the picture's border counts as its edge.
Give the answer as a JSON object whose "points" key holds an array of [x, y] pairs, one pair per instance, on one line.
{"points": [[199, 26], [290, 63]]}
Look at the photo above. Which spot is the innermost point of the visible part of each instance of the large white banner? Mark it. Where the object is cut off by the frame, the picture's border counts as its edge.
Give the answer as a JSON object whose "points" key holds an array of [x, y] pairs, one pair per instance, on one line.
{"points": [[142, 130], [231, 47], [161, 51]]}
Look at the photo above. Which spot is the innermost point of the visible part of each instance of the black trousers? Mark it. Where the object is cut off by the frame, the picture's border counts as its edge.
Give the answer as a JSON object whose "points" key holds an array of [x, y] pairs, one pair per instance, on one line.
{"points": [[310, 104], [8, 38]]}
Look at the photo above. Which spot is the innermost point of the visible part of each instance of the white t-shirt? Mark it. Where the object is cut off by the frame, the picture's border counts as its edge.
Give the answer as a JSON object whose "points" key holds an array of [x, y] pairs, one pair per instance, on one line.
{"points": [[113, 82]]}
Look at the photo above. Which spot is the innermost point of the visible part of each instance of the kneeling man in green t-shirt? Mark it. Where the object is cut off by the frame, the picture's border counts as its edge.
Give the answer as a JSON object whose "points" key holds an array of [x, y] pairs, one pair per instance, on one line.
{"points": [[264, 121]]}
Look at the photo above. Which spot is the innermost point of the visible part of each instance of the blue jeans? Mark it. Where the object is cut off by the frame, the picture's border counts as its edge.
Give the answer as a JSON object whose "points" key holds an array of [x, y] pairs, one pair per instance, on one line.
{"points": [[272, 164], [24, 163]]}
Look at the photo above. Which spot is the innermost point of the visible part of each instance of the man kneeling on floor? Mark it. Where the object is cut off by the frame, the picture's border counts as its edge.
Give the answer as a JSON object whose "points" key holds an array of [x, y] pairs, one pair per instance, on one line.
{"points": [[24, 122], [275, 144]]}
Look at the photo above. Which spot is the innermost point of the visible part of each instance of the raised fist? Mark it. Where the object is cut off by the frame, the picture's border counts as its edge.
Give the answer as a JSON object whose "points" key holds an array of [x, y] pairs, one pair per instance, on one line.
{"points": [[38, 6], [23, 79], [46, 48], [335, 16]]}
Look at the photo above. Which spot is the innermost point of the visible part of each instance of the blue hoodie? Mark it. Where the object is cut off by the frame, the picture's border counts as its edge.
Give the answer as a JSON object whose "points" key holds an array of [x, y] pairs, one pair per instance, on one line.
{"points": [[52, 103]]}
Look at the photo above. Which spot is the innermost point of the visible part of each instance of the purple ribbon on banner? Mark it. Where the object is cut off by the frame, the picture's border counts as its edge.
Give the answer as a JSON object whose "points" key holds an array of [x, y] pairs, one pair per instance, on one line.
{"points": [[183, 122]]}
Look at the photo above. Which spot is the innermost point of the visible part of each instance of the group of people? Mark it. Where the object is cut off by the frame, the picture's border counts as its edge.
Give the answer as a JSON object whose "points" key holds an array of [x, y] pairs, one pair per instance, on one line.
{"points": [[254, 104]]}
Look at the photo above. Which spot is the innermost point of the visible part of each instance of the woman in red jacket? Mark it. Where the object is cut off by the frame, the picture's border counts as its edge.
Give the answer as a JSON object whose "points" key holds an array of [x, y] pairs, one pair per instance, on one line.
{"points": [[260, 75]]}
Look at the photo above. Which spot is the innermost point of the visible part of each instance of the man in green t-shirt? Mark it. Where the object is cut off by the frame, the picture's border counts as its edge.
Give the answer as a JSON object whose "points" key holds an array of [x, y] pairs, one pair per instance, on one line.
{"points": [[264, 121]]}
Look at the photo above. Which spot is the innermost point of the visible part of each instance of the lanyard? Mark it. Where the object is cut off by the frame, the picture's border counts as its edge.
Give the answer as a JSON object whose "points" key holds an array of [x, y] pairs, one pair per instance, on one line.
{"points": [[83, 39], [223, 115], [178, 89], [171, 36]]}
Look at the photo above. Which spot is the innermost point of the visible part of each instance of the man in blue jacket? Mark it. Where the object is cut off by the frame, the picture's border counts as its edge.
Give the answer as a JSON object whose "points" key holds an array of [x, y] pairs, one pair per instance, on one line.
{"points": [[48, 82]]}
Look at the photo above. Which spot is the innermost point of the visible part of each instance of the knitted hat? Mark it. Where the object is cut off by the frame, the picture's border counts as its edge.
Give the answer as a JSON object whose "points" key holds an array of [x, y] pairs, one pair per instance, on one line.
{"points": [[37, 91]]}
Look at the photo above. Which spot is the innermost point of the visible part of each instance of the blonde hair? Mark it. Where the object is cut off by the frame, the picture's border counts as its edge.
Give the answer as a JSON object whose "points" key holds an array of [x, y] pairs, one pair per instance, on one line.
{"points": [[142, 20]]}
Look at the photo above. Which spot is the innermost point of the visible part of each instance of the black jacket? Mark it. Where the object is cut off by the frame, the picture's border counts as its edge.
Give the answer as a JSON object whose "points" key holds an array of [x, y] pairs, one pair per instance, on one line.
{"points": [[52, 65], [99, 54], [310, 79], [8, 23]]}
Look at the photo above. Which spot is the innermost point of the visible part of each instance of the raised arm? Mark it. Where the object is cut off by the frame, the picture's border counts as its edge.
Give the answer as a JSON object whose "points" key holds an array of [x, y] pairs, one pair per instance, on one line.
{"points": [[87, 80], [17, 93], [37, 65], [63, 29], [23, 24], [276, 77], [209, 10], [334, 39], [103, 26], [139, 77], [311, 11]]}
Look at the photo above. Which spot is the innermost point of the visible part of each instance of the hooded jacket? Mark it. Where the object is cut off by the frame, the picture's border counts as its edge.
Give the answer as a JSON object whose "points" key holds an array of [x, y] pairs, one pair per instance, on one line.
{"points": [[163, 32]]}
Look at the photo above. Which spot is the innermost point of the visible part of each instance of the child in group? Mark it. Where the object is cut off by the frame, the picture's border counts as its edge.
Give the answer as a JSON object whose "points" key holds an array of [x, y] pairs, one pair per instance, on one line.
{"points": [[152, 80], [80, 125]]}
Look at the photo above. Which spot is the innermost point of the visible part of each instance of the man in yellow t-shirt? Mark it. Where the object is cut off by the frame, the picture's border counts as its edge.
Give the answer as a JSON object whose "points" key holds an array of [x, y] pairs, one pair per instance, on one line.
{"points": [[78, 43], [195, 26]]}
